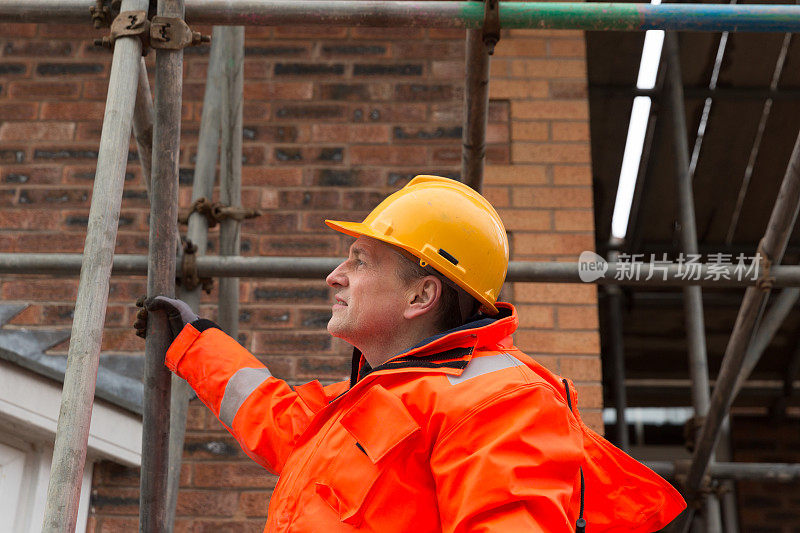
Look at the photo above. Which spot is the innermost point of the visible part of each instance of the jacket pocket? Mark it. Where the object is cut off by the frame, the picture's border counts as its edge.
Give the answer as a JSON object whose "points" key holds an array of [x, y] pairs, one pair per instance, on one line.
{"points": [[375, 426]]}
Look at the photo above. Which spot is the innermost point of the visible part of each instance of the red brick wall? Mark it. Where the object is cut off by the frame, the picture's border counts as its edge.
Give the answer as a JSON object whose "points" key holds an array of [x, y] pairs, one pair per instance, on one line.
{"points": [[335, 119]]}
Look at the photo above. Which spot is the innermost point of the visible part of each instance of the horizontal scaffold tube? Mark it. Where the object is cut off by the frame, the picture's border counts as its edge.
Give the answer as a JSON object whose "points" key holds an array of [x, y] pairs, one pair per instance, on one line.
{"points": [[436, 14], [778, 472], [618, 273]]}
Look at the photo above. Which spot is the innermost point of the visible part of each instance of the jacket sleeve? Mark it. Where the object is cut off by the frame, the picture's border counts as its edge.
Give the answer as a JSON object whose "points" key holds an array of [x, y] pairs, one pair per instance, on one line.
{"points": [[510, 464], [262, 412]]}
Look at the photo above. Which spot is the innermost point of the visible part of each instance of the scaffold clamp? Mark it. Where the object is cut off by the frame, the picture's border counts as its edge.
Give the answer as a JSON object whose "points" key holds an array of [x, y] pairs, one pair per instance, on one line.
{"points": [[491, 24], [765, 281], [172, 33], [128, 24], [189, 278]]}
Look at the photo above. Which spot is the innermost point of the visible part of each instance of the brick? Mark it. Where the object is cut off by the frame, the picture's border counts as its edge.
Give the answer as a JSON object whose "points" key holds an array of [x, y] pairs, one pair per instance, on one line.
{"points": [[361, 199], [552, 153], [28, 48], [497, 196], [297, 245], [275, 134], [278, 342], [429, 49], [30, 175], [390, 113], [570, 131], [300, 32], [69, 69], [515, 174], [387, 155], [361, 133], [550, 109], [289, 90], [553, 197], [54, 197], [28, 219], [572, 175], [581, 368], [72, 111], [518, 89], [36, 90], [17, 29], [232, 475], [206, 503], [536, 316], [566, 48], [441, 134], [18, 110], [418, 92], [282, 50], [309, 112], [115, 500], [521, 48], [291, 293], [344, 177], [396, 33], [270, 176], [448, 69], [308, 69], [569, 89], [577, 317], [254, 503], [447, 33], [354, 92], [37, 131], [566, 293], [12, 156], [567, 342], [574, 220], [553, 243], [526, 219], [530, 131], [548, 68], [267, 317], [590, 396], [388, 69], [360, 49], [65, 243], [330, 367], [40, 290]]}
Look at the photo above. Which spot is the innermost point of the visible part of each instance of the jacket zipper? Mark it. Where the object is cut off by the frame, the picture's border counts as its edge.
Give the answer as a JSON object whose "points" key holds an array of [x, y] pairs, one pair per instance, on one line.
{"points": [[580, 523]]}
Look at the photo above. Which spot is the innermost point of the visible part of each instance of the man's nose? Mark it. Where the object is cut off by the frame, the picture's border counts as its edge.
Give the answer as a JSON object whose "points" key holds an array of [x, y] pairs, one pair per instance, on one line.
{"points": [[337, 277]]}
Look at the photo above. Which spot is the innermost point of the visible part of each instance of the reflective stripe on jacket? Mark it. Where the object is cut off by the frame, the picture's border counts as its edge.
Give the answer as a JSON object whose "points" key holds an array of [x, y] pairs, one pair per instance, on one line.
{"points": [[462, 433]]}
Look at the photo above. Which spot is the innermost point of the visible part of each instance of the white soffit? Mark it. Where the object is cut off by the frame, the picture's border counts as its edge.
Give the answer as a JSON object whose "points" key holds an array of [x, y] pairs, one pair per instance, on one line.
{"points": [[29, 407]]}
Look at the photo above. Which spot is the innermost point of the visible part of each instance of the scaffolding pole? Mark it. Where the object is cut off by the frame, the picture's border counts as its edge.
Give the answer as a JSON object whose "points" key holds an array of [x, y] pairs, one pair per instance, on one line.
{"points": [[776, 472], [143, 124], [197, 235], [694, 321], [230, 176], [476, 110], [445, 14], [772, 248], [161, 279], [72, 433], [705, 274]]}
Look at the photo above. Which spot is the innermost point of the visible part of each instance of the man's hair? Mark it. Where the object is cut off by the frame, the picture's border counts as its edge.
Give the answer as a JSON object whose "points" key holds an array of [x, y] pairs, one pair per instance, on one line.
{"points": [[448, 311]]}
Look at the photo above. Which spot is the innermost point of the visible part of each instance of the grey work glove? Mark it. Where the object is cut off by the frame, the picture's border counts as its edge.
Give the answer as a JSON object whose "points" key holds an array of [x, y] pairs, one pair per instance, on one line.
{"points": [[178, 314]]}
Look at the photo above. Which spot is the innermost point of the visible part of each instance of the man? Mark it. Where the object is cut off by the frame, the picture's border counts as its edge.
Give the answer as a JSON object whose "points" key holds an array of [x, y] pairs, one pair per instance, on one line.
{"points": [[444, 425]]}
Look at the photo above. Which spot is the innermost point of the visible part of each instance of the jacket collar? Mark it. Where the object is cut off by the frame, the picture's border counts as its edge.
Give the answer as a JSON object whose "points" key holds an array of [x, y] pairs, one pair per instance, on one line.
{"points": [[450, 349]]}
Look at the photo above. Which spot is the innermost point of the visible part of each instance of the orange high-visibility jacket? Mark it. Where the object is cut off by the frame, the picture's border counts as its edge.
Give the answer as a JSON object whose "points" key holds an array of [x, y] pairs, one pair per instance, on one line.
{"points": [[463, 433]]}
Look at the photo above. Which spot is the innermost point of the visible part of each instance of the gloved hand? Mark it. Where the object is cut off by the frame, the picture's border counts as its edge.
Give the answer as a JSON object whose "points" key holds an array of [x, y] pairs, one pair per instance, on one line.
{"points": [[178, 314]]}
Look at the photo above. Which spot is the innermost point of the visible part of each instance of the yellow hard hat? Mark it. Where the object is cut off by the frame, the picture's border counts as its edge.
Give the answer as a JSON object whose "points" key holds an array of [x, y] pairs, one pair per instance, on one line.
{"points": [[449, 227]]}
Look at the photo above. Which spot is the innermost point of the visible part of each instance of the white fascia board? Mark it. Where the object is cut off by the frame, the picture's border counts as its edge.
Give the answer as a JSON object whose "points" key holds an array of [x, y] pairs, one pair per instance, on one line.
{"points": [[30, 403]]}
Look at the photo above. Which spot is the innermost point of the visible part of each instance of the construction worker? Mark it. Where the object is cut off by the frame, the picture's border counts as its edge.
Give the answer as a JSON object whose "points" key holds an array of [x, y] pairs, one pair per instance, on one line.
{"points": [[444, 425]]}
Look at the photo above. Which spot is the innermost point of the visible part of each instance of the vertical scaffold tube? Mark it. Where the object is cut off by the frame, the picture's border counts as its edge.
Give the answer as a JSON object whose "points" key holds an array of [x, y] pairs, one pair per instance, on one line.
{"points": [[161, 279], [694, 319], [72, 433], [230, 167], [476, 110]]}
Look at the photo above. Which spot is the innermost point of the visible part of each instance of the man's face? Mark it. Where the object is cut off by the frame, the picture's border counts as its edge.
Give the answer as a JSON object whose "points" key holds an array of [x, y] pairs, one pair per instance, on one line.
{"points": [[370, 297]]}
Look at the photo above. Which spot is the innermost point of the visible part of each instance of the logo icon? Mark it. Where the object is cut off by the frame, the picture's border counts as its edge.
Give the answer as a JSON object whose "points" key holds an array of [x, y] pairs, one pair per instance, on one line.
{"points": [[591, 266]]}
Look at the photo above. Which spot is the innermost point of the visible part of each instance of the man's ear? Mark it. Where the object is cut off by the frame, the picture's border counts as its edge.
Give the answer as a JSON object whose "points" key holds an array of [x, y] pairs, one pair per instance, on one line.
{"points": [[423, 296]]}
